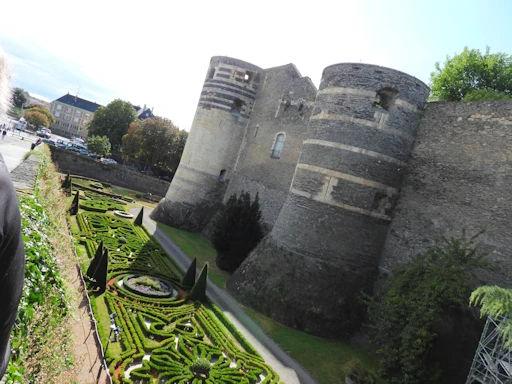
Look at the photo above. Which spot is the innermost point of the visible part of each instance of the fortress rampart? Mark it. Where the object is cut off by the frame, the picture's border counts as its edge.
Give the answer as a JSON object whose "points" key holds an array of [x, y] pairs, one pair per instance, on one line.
{"points": [[357, 176]]}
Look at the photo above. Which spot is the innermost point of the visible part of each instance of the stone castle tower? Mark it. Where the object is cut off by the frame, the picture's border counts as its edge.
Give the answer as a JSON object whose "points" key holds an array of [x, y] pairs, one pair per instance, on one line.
{"points": [[328, 166]]}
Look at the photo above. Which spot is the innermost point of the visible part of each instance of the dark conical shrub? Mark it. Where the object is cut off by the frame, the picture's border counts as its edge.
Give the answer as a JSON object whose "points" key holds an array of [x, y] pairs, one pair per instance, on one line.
{"points": [[67, 181], [94, 262], [70, 187], [190, 277], [99, 275], [140, 216], [102, 272], [198, 291], [237, 230], [74, 205]]}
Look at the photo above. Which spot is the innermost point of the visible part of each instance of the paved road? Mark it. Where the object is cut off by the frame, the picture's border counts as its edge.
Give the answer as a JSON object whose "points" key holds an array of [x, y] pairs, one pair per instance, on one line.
{"points": [[288, 369], [14, 146]]}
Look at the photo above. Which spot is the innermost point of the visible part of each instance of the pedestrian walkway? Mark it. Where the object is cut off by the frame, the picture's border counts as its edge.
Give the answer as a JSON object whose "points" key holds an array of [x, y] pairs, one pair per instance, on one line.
{"points": [[288, 369], [14, 146]]}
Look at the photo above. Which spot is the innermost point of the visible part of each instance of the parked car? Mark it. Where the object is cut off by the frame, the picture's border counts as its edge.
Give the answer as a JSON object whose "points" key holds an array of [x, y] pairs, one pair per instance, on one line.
{"points": [[62, 145], [83, 151], [49, 142], [107, 161], [93, 155], [44, 132]]}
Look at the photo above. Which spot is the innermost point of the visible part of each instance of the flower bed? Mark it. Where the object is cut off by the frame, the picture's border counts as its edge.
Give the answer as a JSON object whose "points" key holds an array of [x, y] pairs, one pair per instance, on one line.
{"points": [[163, 336], [148, 286]]}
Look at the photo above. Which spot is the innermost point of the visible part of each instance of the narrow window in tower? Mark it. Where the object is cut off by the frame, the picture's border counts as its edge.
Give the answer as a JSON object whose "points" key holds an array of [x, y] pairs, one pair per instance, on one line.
{"points": [[236, 107], [385, 98], [222, 176], [248, 76], [278, 146]]}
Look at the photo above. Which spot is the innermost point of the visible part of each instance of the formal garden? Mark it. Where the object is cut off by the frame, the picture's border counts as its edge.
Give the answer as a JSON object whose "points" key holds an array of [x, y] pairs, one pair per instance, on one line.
{"points": [[154, 321]]}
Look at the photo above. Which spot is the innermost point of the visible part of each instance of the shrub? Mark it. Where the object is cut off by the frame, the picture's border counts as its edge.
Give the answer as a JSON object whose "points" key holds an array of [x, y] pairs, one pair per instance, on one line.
{"points": [[359, 374], [403, 316], [237, 230], [200, 366], [122, 240]]}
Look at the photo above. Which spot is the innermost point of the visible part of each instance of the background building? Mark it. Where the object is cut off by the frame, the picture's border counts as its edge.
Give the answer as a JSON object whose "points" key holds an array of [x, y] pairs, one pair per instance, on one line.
{"points": [[71, 115], [34, 98]]}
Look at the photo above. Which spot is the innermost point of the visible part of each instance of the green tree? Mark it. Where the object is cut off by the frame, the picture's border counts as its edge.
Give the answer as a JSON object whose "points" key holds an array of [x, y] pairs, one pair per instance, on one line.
{"points": [[472, 71], [37, 118], [495, 301], [237, 230], [18, 97], [157, 141], [112, 121], [99, 145], [132, 141], [41, 109], [403, 316]]}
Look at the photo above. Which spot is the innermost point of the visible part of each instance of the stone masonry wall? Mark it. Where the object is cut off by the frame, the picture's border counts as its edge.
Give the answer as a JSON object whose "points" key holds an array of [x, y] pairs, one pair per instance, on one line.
{"points": [[114, 174], [459, 176], [329, 234], [283, 106]]}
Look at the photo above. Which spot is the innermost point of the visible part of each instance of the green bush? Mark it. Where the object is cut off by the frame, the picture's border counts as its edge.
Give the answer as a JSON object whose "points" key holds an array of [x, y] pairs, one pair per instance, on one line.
{"points": [[122, 240], [237, 230], [200, 366], [403, 316]]}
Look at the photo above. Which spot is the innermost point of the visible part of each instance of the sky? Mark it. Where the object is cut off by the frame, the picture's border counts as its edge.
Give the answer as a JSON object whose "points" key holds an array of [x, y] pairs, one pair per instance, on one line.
{"points": [[157, 52]]}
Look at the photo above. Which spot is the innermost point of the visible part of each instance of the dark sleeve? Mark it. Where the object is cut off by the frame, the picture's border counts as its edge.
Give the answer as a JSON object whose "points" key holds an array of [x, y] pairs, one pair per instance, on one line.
{"points": [[12, 262]]}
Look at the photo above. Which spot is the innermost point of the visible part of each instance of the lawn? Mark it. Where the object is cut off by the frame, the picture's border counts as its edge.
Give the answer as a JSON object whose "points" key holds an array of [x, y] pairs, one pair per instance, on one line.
{"points": [[327, 360], [194, 245]]}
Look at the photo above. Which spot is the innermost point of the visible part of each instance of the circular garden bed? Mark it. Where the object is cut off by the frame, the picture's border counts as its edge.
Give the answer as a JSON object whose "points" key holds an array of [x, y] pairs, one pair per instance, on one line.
{"points": [[123, 214], [146, 285]]}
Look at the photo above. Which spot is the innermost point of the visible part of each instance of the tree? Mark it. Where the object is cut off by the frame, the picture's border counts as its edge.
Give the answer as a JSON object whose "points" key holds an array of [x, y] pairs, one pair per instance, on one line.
{"points": [[42, 109], [495, 302], [99, 145], [132, 141], [37, 118], [472, 71], [237, 230], [157, 141], [18, 97], [403, 316], [112, 121]]}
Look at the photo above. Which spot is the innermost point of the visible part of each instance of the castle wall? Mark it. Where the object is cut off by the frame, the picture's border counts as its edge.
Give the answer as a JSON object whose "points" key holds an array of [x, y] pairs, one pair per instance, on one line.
{"points": [[459, 176], [283, 106], [329, 235], [213, 144]]}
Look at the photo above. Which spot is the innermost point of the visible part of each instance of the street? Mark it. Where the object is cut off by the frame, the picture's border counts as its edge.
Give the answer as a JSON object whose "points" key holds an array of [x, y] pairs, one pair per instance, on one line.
{"points": [[14, 146]]}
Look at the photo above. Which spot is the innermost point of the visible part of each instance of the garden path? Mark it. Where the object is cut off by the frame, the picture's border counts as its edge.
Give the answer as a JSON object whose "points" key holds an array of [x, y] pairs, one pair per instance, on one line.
{"points": [[288, 369]]}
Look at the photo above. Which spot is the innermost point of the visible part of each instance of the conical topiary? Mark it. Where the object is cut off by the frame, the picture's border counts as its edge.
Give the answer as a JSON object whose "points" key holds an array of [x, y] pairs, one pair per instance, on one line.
{"points": [[198, 291], [94, 262], [70, 187], [100, 273], [190, 277], [67, 181], [138, 219], [74, 205]]}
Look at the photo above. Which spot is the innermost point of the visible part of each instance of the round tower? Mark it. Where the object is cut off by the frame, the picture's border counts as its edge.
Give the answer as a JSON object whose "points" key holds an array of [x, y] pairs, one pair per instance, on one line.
{"points": [[324, 248], [213, 144]]}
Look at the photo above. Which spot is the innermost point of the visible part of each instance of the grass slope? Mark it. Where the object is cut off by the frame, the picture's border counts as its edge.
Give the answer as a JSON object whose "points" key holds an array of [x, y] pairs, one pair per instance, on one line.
{"points": [[193, 245], [328, 361]]}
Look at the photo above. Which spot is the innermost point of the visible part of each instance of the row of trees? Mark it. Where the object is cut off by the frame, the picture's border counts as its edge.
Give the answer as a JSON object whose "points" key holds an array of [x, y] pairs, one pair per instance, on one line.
{"points": [[156, 141]]}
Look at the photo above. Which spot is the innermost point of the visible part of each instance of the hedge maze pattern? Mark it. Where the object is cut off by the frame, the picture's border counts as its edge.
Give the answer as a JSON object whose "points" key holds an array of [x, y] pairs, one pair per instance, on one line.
{"points": [[162, 337]]}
